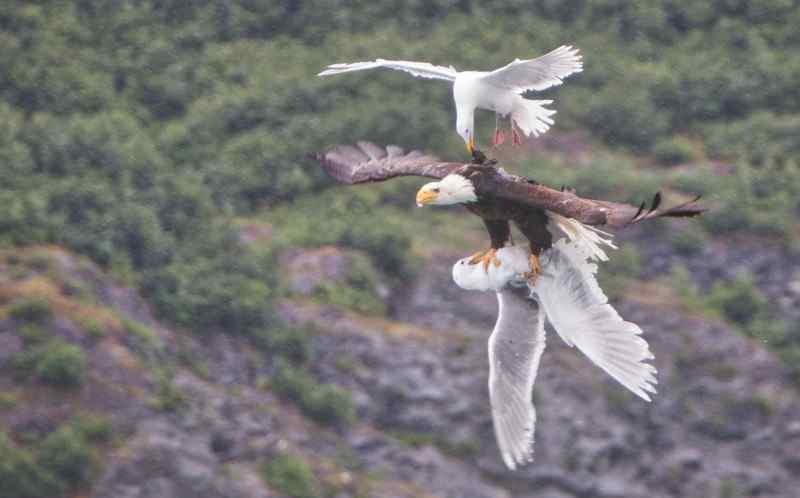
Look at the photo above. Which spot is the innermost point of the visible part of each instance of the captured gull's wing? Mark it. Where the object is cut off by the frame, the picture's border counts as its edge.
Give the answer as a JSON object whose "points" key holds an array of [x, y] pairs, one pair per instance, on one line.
{"points": [[579, 312], [515, 347]]}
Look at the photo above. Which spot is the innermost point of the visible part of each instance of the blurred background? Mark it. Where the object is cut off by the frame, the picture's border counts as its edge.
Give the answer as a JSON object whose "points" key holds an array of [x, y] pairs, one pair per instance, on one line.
{"points": [[189, 307]]}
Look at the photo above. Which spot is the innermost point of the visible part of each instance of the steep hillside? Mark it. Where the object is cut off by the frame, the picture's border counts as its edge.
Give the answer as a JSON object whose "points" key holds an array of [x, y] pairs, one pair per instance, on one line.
{"points": [[189, 307], [154, 412]]}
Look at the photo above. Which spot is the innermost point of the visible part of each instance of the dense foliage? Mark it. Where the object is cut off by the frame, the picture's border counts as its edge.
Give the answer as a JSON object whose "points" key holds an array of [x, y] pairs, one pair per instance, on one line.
{"points": [[63, 460], [137, 132]]}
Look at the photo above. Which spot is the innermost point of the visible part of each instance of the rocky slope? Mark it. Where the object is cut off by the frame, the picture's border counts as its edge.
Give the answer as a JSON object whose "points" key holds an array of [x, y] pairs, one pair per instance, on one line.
{"points": [[195, 416]]}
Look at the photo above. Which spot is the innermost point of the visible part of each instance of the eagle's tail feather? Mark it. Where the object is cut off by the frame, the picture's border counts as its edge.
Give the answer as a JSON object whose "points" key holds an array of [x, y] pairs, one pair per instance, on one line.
{"points": [[531, 116], [578, 310]]}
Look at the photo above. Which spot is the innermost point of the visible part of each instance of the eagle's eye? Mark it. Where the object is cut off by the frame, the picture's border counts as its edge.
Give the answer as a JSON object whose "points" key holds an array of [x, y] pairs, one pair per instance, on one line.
{"points": [[436, 190]]}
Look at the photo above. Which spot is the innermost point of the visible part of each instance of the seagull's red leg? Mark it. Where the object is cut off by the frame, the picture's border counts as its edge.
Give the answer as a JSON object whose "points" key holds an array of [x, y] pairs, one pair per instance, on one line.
{"points": [[499, 137], [516, 138]]}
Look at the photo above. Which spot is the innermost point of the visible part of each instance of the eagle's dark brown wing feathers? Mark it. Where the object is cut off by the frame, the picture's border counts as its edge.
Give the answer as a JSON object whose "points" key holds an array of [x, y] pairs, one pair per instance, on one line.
{"points": [[620, 215], [588, 211], [366, 162]]}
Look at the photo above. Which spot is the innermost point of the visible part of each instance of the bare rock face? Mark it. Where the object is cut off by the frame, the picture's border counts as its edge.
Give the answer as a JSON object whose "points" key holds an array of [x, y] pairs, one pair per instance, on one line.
{"points": [[163, 461]]}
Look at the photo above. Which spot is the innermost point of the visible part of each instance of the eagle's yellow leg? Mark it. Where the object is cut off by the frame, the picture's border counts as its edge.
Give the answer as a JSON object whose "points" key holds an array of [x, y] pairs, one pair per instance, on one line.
{"points": [[485, 257], [536, 269]]}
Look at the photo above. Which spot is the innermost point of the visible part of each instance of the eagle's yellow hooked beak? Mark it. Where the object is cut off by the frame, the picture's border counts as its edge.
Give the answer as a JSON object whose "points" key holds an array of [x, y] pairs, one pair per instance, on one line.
{"points": [[426, 197]]}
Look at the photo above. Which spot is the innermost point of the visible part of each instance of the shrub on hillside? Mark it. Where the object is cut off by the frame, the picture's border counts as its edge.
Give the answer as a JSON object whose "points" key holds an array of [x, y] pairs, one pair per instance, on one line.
{"points": [[66, 454], [292, 476], [325, 403], [226, 291], [94, 428], [676, 150], [738, 301], [30, 309], [61, 364], [688, 242], [21, 476], [291, 343]]}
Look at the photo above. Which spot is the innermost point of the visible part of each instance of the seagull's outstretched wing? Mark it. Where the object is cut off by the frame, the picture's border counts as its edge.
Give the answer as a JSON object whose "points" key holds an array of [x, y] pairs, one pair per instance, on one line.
{"points": [[515, 347], [579, 312], [418, 69], [537, 74], [367, 162]]}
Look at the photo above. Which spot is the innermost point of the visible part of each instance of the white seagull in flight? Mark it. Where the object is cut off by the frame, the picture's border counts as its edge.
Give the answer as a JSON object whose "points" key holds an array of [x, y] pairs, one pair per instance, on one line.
{"points": [[499, 90]]}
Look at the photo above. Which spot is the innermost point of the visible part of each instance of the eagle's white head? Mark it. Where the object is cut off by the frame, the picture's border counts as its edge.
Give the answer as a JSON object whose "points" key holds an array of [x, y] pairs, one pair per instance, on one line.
{"points": [[453, 189]]}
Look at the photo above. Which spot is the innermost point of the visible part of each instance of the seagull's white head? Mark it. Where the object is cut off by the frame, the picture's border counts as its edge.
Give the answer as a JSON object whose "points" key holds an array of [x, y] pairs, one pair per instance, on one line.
{"points": [[453, 189]]}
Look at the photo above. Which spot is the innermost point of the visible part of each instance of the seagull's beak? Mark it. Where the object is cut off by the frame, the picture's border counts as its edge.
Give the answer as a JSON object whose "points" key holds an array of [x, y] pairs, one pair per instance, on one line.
{"points": [[426, 197], [471, 144]]}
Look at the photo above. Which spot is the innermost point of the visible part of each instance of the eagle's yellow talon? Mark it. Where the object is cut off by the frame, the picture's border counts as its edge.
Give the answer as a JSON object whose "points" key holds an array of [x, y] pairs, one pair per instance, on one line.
{"points": [[536, 269], [476, 258], [490, 257], [486, 258]]}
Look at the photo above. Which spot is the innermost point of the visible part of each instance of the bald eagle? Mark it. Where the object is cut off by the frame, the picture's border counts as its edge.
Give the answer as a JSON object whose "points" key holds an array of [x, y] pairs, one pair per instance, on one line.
{"points": [[497, 197], [561, 288]]}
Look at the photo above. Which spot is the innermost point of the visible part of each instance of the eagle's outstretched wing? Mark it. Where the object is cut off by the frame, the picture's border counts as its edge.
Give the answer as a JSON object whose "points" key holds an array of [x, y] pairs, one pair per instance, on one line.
{"points": [[418, 69], [587, 211], [367, 162], [539, 73]]}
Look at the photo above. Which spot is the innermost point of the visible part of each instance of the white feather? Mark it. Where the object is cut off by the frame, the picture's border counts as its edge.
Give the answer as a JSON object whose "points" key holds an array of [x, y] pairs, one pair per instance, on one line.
{"points": [[579, 312], [515, 347], [587, 238]]}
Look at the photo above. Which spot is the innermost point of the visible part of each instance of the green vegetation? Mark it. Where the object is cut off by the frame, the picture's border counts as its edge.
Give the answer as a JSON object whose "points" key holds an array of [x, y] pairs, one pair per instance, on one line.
{"points": [[738, 301], [33, 310], [688, 242], [174, 121], [61, 365], [144, 170], [8, 400], [65, 459], [674, 150], [325, 403], [66, 454], [95, 428], [168, 397], [293, 344], [291, 476], [22, 476], [53, 362]]}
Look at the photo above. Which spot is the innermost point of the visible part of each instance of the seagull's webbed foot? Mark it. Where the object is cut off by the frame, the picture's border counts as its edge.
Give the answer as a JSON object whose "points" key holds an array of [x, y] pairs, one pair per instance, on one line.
{"points": [[499, 136], [516, 137], [485, 257], [536, 269]]}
